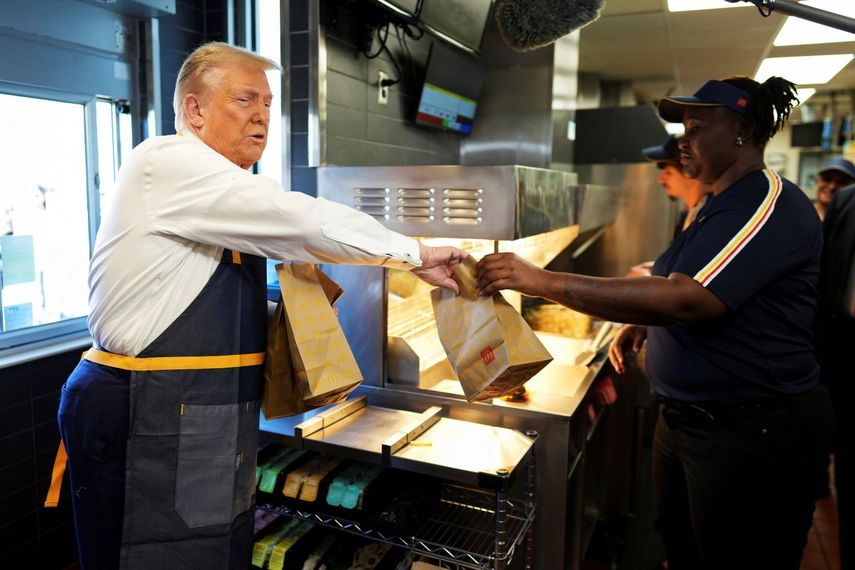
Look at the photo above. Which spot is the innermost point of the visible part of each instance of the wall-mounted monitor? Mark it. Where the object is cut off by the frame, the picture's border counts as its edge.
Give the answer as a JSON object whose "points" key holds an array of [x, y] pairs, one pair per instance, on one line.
{"points": [[460, 22], [450, 91], [406, 8], [806, 134]]}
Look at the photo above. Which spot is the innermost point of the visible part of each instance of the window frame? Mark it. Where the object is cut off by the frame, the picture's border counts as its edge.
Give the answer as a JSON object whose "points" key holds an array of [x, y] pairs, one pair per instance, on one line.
{"points": [[43, 336]]}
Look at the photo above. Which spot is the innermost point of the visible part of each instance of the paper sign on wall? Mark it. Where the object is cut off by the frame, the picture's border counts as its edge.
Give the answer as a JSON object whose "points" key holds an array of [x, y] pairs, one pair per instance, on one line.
{"points": [[17, 316], [16, 254]]}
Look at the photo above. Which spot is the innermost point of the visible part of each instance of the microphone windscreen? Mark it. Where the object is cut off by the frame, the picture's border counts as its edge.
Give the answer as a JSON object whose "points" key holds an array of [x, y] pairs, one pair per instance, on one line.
{"points": [[530, 24]]}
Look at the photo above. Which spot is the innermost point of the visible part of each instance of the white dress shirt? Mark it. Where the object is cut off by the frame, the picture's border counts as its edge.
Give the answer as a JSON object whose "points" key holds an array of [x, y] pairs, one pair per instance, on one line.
{"points": [[177, 204]]}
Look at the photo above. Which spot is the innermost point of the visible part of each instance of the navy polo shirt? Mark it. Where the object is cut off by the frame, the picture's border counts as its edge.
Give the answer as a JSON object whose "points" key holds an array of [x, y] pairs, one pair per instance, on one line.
{"points": [[757, 247]]}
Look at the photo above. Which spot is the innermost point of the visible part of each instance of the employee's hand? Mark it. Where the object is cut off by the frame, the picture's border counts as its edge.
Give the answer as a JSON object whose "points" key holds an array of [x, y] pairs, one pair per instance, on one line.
{"points": [[641, 270], [508, 271], [630, 337], [438, 265]]}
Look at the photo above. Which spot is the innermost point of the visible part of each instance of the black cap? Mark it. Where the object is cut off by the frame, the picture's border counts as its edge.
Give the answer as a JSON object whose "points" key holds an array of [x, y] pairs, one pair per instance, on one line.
{"points": [[668, 151], [840, 165], [713, 93]]}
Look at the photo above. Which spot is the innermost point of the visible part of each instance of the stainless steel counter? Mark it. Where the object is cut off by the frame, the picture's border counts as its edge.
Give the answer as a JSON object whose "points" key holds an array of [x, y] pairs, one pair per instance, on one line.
{"points": [[470, 437], [556, 409], [454, 450]]}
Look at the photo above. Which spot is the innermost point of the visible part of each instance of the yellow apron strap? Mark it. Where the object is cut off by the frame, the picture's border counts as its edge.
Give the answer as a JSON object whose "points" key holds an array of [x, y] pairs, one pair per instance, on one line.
{"points": [[174, 362], [59, 463], [155, 363], [236, 257]]}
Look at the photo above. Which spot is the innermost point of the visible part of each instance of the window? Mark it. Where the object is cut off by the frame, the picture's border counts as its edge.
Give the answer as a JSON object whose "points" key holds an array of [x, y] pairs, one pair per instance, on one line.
{"points": [[59, 159], [271, 164], [269, 46]]}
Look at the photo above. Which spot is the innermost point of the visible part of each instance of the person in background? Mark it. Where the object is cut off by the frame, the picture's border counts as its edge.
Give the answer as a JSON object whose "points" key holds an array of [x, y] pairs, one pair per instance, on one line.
{"points": [[160, 418], [834, 175], [835, 339], [744, 424], [692, 193]]}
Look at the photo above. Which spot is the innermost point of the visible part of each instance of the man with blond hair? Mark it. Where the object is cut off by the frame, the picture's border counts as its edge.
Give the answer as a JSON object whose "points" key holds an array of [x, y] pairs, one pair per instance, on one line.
{"points": [[160, 419]]}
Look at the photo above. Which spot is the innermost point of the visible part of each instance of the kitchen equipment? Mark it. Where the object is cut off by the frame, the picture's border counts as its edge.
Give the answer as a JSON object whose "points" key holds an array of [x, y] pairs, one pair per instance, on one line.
{"points": [[586, 357], [388, 318]]}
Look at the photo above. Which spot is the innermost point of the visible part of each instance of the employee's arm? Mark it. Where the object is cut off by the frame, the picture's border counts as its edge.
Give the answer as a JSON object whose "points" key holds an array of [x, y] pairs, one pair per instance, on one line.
{"points": [[675, 299]]}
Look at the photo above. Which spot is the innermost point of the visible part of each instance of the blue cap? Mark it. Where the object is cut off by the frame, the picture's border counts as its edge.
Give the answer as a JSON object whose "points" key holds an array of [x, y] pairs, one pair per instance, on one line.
{"points": [[839, 164], [714, 93], [668, 151]]}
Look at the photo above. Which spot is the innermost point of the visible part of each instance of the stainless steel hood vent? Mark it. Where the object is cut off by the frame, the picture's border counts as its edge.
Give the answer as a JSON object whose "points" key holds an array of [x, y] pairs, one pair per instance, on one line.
{"points": [[475, 202]]}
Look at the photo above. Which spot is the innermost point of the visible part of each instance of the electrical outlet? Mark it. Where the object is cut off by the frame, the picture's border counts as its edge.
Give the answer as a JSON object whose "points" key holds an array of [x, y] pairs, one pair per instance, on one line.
{"points": [[382, 90]]}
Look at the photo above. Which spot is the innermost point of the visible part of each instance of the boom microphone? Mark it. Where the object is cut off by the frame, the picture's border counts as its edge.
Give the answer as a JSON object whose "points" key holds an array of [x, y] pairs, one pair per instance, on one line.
{"points": [[530, 24]]}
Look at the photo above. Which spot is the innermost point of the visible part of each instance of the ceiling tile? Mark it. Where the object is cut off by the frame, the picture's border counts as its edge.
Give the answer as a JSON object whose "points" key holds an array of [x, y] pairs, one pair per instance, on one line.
{"points": [[640, 41]]}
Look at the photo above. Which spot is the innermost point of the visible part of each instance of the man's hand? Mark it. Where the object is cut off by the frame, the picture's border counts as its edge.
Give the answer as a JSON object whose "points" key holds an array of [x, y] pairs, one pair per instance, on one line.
{"points": [[630, 337], [509, 271], [438, 265]]}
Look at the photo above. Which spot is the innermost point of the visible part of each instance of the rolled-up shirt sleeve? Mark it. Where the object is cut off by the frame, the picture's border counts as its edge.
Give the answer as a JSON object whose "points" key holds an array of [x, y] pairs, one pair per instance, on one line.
{"points": [[194, 193]]}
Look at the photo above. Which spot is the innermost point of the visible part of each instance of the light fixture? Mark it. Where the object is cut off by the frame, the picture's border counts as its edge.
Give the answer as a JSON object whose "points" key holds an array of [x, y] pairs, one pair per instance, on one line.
{"points": [[691, 5], [675, 129], [803, 70], [804, 93], [797, 31]]}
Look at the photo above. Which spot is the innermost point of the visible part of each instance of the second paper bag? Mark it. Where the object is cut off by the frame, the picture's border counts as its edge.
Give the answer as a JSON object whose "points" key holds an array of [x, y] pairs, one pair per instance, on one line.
{"points": [[308, 363], [491, 348]]}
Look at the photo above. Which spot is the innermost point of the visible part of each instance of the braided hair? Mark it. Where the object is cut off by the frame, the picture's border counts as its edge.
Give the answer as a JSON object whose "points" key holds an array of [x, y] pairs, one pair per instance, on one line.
{"points": [[771, 104]]}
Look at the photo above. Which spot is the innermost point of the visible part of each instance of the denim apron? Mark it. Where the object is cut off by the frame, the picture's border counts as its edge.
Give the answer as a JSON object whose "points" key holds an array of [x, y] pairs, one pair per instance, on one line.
{"points": [[193, 430]]}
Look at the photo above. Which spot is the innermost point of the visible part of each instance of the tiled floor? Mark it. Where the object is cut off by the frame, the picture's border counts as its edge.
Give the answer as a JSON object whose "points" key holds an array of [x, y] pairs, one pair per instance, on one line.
{"points": [[823, 548]]}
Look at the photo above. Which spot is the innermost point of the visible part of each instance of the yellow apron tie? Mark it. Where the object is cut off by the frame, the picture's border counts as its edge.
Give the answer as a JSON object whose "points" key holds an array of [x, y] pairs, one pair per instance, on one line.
{"points": [[146, 364], [59, 463], [173, 362]]}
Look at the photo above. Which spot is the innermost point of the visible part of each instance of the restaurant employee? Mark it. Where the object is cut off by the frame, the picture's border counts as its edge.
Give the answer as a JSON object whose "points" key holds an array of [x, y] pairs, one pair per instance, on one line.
{"points": [[691, 193], [160, 419], [834, 175], [744, 425]]}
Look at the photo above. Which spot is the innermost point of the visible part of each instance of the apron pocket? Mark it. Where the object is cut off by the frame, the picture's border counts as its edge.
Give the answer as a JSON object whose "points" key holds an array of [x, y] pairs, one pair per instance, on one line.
{"points": [[208, 461]]}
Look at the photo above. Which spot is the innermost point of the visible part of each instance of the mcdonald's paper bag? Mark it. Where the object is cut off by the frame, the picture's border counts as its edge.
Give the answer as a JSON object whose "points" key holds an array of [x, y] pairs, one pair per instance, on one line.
{"points": [[308, 362], [491, 348]]}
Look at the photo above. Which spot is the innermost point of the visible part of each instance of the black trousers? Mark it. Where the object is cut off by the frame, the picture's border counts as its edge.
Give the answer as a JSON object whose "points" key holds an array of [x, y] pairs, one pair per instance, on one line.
{"points": [[93, 421], [736, 484]]}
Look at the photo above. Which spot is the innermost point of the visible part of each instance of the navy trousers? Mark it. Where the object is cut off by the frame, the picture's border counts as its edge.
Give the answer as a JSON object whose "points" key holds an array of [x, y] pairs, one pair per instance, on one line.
{"points": [[736, 485], [93, 421]]}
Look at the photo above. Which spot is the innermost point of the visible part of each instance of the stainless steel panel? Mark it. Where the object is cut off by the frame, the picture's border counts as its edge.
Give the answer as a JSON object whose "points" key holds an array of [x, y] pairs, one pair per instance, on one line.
{"points": [[405, 8], [598, 205], [512, 125], [554, 456], [408, 434], [461, 22], [644, 223], [513, 122], [546, 200], [360, 434], [478, 202], [329, 416], [362, 314], [457, 450]]}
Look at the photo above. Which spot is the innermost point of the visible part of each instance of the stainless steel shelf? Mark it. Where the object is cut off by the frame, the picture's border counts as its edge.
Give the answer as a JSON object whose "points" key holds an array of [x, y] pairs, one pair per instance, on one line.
{"points": [[458, 451], [460, 530]]}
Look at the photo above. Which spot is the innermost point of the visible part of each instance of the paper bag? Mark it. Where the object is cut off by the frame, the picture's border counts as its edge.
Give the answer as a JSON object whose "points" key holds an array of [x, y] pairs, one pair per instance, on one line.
{"points": [[308, 362], [490, 346]]}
